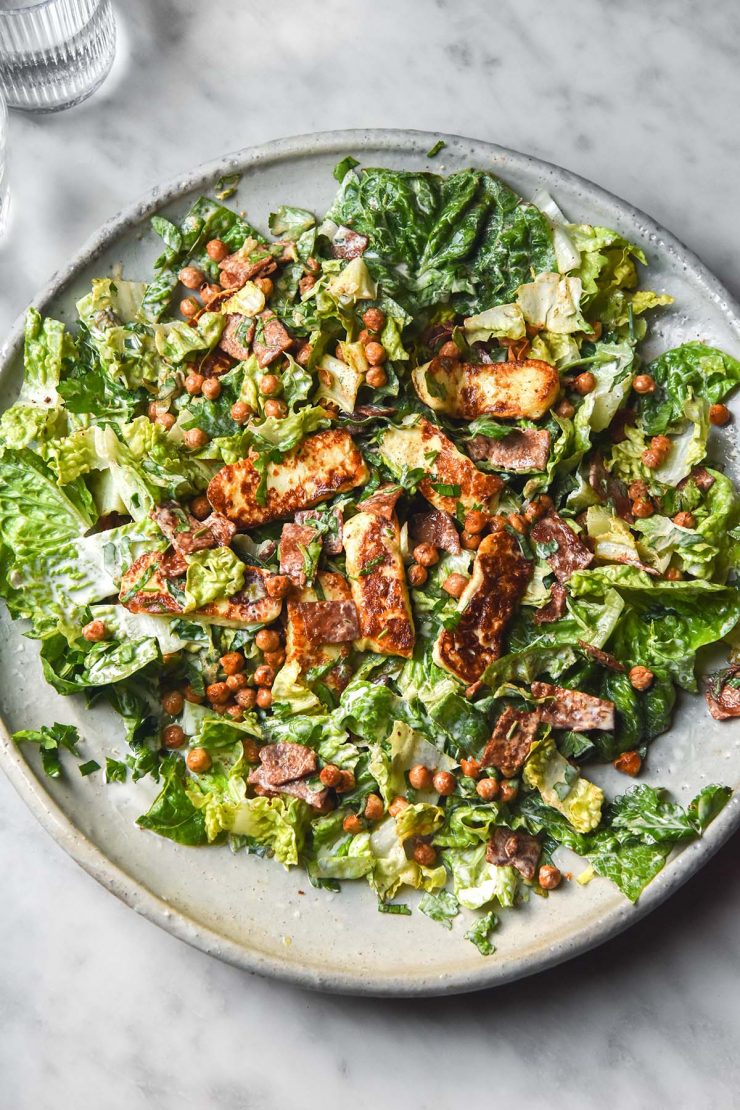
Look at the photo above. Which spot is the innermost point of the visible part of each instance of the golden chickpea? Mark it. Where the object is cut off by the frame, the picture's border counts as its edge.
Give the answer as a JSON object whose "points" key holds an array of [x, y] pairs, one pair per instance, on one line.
{"points": [[373, 319], [306, 284], [417, 575], [251, 750], [420, 777], [218, 692], [641, 678], [629, 763], [346, 782], [424, 854], [638, 491], [270, 384], [191, 277], [375, 353], [95, 631], [497, 523], [643, 383], [166, 420], [217, 250], [267, 639], [264, 675], [278, 585], [195, 439], [200, 507], [475, 522], [240, 412], [585, 383], [565, 409], [470, 768], [376, 377], [330, 775], [397, 805], [199, 761], [449, 350], [374, 808], [235, 712], [673, 574], [173, 736], [211, 389], [508, 790], [208, 291], [189, 307], [264, 698], [444, 783], [642, 509], [172, 703], [265, 285], [455, 585], [426, 554], [517, 522], [194, 383], [549, 877], [652, 459], [275, 409], [685, 520], [274, 659], [247, 699], [236, 682], [194, 698], [233, 662], [662, 444], [303, 355], [352, 824], [469, 541], [719, 415], [487, 789]]}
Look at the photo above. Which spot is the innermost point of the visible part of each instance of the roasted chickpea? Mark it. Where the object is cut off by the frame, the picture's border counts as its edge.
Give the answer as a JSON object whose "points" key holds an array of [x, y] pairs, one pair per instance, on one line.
{"points": [[189, 307], [641, 678], [265, 285], [198, 760], [208, 291], [719, 415], [424, 854], [685, 520], [455, 585], [218, 692], [264, 698], [376, 377], [166, 420], [517, 522], [240, 412], [346, 782], [652, 459], [469, 541], [306, 284], [426, 554], [487, 789], [662, 444], [642, 508], [235, 712], [190, 695], [444, 783], [565, 409], [638, 491], [508, 790], [352, 824], [200, 507], [274, 659], [278, 585], [267, 639], [233, 662], [673, 574], [373, 319], [374, 808], [195, 439], [449, 350], [194, 383], [246, 698], [643, 383], [417, 575], [172, 703], [397, 805], [95, 631], [585, 383], [303, 355], [236, 682], [497, 523], [173, 736], [217, 250], [251, 750], [629, 763], [475, 522], [270, 384], [264, 675], [330, 775], [375, 353], [211, 389], [549, 877], [470, 768], [275, 409], [191, 277], [420, 777]]}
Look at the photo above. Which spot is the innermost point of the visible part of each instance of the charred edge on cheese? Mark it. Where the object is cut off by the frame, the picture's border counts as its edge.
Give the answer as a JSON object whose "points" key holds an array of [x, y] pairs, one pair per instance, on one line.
{"points": [[508, 390], [378, 583]]}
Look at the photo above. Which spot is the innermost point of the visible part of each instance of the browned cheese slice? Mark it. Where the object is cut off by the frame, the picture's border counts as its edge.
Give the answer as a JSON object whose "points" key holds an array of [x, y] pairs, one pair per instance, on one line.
{"points": [[507, 390], [299, 645]]}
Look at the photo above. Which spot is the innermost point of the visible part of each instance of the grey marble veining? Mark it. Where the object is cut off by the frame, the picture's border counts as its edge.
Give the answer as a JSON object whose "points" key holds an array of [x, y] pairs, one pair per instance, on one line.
{"points": [[97, 1007]]}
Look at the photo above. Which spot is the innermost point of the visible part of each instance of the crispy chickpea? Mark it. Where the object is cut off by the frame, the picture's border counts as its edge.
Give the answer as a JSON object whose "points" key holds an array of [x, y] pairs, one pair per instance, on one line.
{"points": [[236, 682], [373, 319], [198, 760], [173, 736], [444, 783], [200, 507], [642, 508], [267, 639], [278, 585], [508, 790], [470, 541], [274, 659], [265, 285], [475, 522], [218, 692], [264, 675], [420, 777], [191, 277], [565, 409], [264, 698], [662, 444], [374, 808], [397, 805], [517, 522], [211, 389], [233, 662], [172, 703], [346, 782], [194, 383], [216, 249], [651, 458], [251, 750], [352, 824], [235, 712], [549, 877], [629, 763], [585, 383], [240, 412], [424, 854], [643, 383], [189, 307], [375, 353], [719, 415], [426, 554], [270, 384], [330, 775], [306, 284], [95, 631], [246, 698], [641, 678], [685, 520], [638, 490], [470, 768], [455, 585], [304, 354], [208, 291], [376, 377], [497, 523], [166, 420], [449, 350], [275, 409], [364, 337], [673, 574], [487, 789], [532, 512], [190, 695], [195, 439], [417, 575]]}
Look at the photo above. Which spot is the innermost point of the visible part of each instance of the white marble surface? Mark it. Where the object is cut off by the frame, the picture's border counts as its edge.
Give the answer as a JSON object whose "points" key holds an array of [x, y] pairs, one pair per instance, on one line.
{"points": [[100, 1009]]}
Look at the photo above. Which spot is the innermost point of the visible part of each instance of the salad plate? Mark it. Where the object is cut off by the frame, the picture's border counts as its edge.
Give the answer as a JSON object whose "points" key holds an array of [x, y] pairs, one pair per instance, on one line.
{"points": [[227, 898]]}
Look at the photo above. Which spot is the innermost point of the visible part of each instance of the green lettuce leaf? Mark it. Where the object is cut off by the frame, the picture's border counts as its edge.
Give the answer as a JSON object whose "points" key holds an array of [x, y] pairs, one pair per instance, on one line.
{"points": [[692, 370]]}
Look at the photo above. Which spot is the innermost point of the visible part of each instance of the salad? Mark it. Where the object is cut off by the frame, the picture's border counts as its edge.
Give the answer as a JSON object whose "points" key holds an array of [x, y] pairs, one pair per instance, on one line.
{"points": [[382, 539]]}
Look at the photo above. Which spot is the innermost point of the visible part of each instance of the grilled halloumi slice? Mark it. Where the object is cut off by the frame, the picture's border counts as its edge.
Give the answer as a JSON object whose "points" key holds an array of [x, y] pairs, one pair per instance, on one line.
{"points": [[499, 579], [453, 479], [155, 583], [333, 587], [322, 465], [377, 578], [508, 390]]}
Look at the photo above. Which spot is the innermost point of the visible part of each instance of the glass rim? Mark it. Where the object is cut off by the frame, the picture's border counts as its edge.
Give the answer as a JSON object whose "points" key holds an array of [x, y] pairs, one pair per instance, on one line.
{"points": [[28, 8]]}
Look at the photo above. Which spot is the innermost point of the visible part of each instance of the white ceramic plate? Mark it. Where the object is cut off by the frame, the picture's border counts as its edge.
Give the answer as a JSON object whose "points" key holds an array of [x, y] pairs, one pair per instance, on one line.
{"points": [[250, 911]]}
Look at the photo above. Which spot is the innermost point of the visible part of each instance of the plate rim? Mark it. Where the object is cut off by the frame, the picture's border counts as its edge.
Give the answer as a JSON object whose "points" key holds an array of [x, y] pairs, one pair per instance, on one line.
{"points": [[140, 897]]}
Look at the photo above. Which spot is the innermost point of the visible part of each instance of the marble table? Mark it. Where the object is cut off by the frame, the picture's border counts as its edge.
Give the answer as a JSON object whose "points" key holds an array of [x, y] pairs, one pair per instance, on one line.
{"points": [[98, 1008]]}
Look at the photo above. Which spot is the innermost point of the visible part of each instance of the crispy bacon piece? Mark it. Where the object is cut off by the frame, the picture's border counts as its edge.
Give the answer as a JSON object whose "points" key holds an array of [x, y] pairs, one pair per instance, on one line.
{"points": [[723, 695], [382, 503], [332, 541], [437, 528], [511, 741], [186, 533], [514, 849], [272, 339], [250, 260], [570, 554], [604, 657], [348, 243], [527, 449], [564, 708], [294, 540], [328, 622], [500, 576], [284, 767], [237, 336], [608, 488], [330, 658], [555, 607], [298, 789]]}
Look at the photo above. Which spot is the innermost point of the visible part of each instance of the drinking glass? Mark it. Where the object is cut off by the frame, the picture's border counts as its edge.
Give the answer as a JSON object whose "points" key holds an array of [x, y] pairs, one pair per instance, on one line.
{"points": [[54, 53], [3, 150]]}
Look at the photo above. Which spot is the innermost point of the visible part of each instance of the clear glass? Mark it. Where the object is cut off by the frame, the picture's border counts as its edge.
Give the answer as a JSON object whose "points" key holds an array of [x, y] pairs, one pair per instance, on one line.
{"points": [[54, 53], [3, 155]]}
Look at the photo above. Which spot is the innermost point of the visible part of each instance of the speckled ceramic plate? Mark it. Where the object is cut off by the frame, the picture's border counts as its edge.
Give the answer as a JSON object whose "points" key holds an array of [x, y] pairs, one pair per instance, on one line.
{"points": [[250, 911]]}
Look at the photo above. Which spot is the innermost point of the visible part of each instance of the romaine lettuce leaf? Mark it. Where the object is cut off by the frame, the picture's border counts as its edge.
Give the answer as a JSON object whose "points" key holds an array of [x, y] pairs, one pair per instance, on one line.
{"points": [[561, 786], [692, 370]]}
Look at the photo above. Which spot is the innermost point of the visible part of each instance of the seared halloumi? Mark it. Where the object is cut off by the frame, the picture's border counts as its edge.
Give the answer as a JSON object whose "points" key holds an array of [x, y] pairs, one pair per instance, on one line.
{"points": [[322, 465], [508, 390], [453, 478], [331, 587], [155, 583], [499, 579]]}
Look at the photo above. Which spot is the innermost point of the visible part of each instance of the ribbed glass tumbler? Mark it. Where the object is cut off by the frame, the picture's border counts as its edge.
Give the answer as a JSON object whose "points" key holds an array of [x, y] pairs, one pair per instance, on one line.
{"points": [[54, 53]]}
